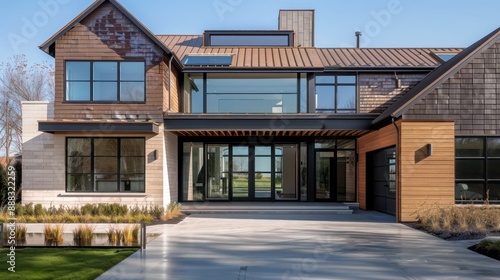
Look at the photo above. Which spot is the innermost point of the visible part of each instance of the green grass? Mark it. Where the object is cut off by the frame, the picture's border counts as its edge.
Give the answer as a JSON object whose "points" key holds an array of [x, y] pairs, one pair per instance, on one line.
{"points": [[61, 263]]}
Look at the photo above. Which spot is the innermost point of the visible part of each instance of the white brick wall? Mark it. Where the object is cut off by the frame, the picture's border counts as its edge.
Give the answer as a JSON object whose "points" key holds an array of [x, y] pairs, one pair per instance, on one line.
{"points": [[44, 166]]}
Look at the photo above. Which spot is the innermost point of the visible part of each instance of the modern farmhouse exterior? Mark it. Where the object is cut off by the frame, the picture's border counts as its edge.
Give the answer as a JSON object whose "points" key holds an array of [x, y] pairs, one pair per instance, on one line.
{"points": [[142, 118]]}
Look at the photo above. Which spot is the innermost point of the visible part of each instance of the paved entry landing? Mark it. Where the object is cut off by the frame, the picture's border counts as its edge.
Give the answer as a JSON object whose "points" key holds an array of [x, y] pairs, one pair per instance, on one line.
{"points": [[365, 245], [268, 207]]}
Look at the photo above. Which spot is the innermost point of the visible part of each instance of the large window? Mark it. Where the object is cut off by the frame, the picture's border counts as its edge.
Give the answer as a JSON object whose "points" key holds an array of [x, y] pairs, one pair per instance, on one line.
{"points": [[105, 81], [335, 94], [477, 168], [238, 93], [249, 38], [105, 164]]}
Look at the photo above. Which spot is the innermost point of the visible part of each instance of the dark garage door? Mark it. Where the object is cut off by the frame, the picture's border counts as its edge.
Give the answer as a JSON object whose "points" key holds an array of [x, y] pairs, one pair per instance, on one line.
{"points": [[382, 180]]}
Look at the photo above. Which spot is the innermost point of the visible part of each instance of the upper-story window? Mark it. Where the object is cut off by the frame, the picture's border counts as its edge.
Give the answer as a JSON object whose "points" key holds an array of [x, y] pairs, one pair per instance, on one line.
{"points": [[105, 81], [335, 94], [268, 38], [245, 93]]}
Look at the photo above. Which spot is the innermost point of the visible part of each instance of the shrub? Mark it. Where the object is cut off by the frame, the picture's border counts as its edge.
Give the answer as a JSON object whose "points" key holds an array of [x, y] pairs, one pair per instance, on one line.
{"points": [[39, 210], [52, 210], [114, 235], [130, 234], [470, 219], [83, 235], [135, 210], [53, 234], [88, 209], [156, 211], [28, 209], [173, 211], [21, 232], [20, 209]]}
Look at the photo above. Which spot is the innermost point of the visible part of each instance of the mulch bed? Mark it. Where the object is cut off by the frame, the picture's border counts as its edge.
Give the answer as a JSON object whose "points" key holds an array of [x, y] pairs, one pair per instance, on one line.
{"points": [[495, 254], [462, 236], [171, 221]]}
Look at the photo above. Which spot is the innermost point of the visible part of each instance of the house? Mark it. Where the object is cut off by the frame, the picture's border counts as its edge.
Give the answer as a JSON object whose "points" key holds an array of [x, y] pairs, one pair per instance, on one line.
{"points": [[143, 118]]}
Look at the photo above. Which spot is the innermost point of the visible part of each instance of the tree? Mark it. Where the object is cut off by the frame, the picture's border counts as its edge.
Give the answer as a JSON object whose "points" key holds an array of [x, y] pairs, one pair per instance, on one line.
{"points": [[20, 81]]}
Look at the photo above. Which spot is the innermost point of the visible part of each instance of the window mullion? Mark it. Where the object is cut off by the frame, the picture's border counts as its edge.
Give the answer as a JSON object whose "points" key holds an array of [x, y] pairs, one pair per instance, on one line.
{"points": [[118, 81], [92, 159]]}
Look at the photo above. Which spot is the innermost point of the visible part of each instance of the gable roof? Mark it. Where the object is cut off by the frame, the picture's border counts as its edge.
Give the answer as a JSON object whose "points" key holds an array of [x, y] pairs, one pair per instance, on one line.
{"points": [[50, 42], [321, 58], [437, 77]]}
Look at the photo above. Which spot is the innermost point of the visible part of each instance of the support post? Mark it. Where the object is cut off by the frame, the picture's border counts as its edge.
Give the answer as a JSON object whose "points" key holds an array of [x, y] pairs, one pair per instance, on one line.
{"points": [[143, 236]]}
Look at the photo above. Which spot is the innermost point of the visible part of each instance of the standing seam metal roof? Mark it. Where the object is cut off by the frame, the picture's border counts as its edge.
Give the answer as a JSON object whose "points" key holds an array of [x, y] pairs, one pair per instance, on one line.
{"points": [[290, 57]]}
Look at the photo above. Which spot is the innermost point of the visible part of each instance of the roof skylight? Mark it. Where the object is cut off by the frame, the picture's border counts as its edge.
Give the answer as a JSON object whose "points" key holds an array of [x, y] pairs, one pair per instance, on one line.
{"points": [[207, 60]]}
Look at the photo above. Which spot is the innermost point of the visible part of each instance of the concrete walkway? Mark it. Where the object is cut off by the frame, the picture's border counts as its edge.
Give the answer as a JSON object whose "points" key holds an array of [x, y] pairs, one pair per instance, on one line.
{"points": [[365, 245]]}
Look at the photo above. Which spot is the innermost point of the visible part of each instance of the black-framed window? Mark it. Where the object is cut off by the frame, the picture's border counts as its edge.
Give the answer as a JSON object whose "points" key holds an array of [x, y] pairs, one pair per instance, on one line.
{"points": [[336, 94], [477, 169], [105, 164], [245, 93], [105, 81]]}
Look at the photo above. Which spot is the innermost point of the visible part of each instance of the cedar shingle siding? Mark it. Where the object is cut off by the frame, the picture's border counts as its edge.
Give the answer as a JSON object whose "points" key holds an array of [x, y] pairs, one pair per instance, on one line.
{"points": [[469, 97]]}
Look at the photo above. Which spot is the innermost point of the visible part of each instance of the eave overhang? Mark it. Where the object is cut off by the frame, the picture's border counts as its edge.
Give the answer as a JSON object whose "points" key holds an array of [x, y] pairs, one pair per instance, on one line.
{"points": [[267, 122], [93, 127]]}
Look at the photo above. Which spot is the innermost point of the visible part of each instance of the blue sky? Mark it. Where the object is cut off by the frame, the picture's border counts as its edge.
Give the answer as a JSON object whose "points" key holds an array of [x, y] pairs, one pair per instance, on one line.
{"points": [[25, 24]]}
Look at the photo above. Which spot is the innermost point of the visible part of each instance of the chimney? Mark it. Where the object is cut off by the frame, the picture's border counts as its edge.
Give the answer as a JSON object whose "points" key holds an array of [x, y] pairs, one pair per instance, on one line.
{"points": [[358, 39], [301, 22]]}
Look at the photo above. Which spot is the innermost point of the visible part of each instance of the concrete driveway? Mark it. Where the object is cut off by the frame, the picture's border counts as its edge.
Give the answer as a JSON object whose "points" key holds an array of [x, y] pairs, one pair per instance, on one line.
{"points": [[365, 245]]}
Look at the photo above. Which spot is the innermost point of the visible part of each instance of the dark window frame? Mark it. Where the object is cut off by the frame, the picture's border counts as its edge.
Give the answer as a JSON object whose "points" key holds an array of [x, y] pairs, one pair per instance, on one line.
{"points": [[209, 33], [300, 77], [336, 85], [91, 81], [485, 180], [92, 158]]}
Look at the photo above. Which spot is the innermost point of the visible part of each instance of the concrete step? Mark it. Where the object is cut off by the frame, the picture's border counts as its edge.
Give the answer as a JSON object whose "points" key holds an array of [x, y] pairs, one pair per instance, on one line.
{"points": [[267, 207], [268, 211]]}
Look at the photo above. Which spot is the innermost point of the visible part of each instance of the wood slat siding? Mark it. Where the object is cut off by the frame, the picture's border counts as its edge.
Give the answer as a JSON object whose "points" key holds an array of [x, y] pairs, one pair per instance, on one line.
{"points": [[426, 181], [380, 139], [91, 40]]}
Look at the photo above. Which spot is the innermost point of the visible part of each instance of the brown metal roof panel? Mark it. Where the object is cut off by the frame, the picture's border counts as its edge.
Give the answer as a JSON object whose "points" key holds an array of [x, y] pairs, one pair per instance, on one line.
{"points": [[283, 58], [326, 58], [290, 57], [255, 58], [314, 58], [262, 57], [363, 60], [269, 57], [356, 59], [298, 57], [276, 57], [240, 57]]}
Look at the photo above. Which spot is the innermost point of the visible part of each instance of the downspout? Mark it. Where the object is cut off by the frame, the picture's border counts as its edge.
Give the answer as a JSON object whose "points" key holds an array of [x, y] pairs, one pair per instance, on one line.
{"points": [[398, 173], [169, 82]]}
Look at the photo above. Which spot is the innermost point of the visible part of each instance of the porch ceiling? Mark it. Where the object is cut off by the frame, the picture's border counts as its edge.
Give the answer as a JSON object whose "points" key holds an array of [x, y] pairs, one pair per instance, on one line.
{"points": [[271, 133], [269, 125]]}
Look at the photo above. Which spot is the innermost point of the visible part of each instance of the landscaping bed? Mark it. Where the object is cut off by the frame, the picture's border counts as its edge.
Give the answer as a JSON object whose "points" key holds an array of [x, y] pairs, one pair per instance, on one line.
{"points": [[463, 223], [488, 248], [459, 223]]}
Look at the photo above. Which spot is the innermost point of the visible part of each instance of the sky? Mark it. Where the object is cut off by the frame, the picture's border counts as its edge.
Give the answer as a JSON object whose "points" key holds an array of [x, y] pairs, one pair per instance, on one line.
{"points": [[25, 24]]}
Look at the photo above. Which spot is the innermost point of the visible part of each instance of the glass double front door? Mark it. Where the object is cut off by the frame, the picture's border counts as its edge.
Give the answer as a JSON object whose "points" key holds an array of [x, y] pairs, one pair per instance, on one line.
{"points": [[251, 172]]}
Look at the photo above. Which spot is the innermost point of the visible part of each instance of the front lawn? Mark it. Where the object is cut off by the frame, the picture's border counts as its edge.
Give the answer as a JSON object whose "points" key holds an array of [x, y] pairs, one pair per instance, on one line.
{"points": [[61, 263]]}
